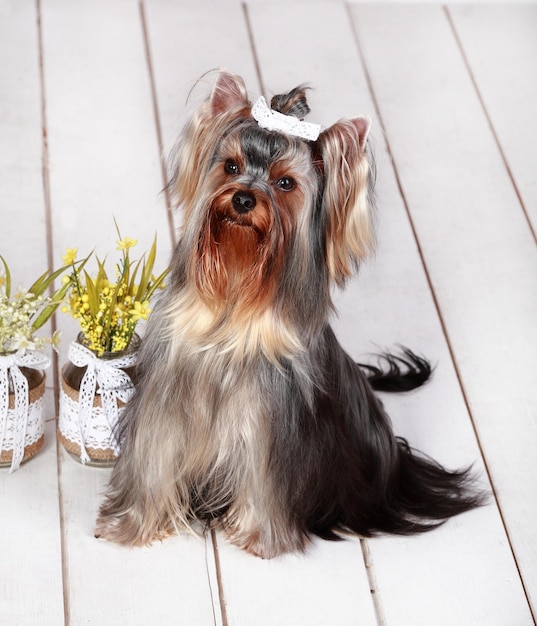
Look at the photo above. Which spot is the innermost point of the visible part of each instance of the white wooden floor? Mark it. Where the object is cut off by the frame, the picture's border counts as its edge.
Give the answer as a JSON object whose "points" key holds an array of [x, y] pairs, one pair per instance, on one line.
{"points": [[92, 91]]}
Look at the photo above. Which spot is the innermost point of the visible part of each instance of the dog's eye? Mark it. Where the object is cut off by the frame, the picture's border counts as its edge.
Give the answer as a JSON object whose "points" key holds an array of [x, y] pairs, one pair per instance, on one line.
{"points": [[231, 167], [285, 183]]}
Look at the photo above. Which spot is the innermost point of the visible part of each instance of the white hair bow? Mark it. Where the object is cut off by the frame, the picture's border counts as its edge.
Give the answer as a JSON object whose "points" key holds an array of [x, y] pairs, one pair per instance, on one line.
{"points": [[273, 120]]}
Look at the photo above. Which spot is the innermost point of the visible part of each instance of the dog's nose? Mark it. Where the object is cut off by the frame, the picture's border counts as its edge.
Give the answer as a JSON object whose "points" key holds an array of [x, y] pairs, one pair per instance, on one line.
{"points": [[243, 201]]}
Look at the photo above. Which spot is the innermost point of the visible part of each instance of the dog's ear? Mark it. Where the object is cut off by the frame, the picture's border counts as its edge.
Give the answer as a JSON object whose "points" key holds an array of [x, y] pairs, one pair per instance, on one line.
{"points": [[229, 92], [191, 156], [347, 176]]}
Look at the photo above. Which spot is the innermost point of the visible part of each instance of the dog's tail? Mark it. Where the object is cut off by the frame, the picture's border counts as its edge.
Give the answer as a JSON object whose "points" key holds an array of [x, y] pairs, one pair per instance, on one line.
{"points": [[396, 373]]}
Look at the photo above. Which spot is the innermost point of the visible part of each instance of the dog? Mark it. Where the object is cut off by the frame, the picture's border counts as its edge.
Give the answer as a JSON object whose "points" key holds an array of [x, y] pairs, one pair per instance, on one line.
{"points": [[248, 416]]}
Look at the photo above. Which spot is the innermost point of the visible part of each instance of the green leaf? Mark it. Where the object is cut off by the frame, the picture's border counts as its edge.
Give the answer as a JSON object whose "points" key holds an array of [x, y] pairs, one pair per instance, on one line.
{"points": [[117, 230], [125, 272], [158, 281], [134, 274], [8, 277], [93, 294], [108, 320], [147, 272], [36, 287], [46, 279], [50, 309], [77, 271], [101, 275]]}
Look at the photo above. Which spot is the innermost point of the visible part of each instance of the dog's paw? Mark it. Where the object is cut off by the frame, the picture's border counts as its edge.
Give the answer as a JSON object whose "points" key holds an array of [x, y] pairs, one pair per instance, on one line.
{"points": [[124, 530], [268, 545]]}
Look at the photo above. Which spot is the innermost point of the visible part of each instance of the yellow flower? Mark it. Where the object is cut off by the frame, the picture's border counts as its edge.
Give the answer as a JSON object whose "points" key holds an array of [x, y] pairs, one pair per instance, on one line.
{"points": [[125, 244], [140, 311], [70, 255]]}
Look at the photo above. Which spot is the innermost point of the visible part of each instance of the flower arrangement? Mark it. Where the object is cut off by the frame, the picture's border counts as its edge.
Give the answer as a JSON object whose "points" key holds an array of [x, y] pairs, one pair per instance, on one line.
{"points": [[26, 311], [108, 310]]}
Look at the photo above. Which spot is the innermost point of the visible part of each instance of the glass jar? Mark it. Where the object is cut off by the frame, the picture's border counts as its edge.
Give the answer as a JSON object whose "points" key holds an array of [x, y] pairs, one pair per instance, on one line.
{"points": [[92, 438], [33, 432]]}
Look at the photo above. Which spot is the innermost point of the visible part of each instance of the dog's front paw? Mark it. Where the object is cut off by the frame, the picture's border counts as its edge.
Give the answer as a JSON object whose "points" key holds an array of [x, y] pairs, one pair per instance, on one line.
{"points": [[268, 542], [126, 529]]}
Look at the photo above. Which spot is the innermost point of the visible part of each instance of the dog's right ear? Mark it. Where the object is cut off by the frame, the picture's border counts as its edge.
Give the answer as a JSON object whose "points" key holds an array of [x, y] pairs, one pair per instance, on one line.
{"points": [[229, 93], [192, 155]]}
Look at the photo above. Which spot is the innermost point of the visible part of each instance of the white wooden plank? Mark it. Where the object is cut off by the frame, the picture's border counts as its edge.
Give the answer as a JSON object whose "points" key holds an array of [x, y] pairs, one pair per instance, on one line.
{"points": [[22, 209], [104, 156], [463, 204], [105, 162], [31, 590], [391, 303], [501, 47], [321, 587], [31, 582]]}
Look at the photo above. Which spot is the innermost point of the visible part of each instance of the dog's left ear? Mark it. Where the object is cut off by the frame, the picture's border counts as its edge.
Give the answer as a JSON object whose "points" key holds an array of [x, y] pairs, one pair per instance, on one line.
{"points": [[346, 195]]}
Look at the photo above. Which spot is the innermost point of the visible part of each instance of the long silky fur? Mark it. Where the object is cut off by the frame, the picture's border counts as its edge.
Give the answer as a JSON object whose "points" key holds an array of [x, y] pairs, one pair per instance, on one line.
{"points": [[248, 414]]}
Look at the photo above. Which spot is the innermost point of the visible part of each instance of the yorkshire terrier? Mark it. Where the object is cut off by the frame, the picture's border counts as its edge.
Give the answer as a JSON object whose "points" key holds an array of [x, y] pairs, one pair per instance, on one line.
{"points": [[248, 415]]}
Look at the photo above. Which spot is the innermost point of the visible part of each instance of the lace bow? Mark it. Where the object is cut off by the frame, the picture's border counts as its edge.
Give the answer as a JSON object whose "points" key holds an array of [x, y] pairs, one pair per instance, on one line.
{"points": [[10, 369], [114, 384], [274, 120]]}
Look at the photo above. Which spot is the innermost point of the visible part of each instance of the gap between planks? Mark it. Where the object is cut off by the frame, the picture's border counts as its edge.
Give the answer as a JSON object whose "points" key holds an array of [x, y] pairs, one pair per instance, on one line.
{"points": [[50, 260], [373, 586], [219, 579], [158, 125], [253, 48], [486, 113]]}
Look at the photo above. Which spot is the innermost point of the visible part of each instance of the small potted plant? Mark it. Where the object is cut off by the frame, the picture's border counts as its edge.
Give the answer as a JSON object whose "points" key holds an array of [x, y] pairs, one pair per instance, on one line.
{"points": [[97, 382], [22, 361]]}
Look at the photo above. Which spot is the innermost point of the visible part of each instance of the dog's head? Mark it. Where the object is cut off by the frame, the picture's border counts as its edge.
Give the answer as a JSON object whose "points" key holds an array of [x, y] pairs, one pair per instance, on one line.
{"points": [[261, 205]]}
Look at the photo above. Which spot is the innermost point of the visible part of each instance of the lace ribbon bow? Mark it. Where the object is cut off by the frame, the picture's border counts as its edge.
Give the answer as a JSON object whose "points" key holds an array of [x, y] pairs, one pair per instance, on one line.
{"points": [[114, 384], [10, 369], [274, 120]]}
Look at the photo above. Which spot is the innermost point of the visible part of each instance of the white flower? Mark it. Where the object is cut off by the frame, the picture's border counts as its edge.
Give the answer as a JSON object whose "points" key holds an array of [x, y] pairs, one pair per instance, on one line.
{"points": [[56, 339], [21, 344], [22, 294]]}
